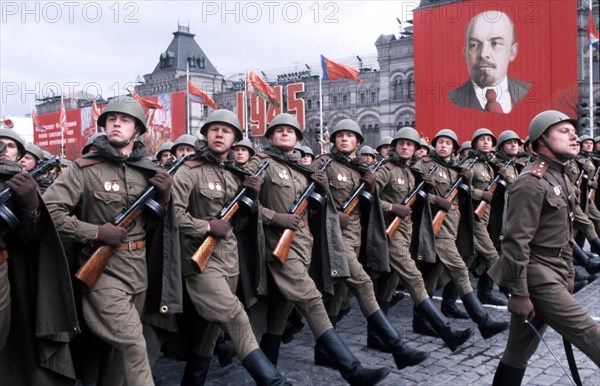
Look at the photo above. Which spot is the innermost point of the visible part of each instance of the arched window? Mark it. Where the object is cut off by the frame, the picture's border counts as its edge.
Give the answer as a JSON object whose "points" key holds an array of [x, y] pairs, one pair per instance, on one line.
{"points": [[399, 89]]}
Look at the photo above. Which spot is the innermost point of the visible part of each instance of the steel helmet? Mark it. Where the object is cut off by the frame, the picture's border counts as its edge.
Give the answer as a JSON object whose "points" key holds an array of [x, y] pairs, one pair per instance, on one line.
{"points": [[164, 147], [483, 131], [346, 125], [407, 133], [226, 117], [596, 139], [126, 105], [368, 150], [307, 150], [541, 122], [90, 142], [35, 151], [185, 139], [465, 145], [507, 135], [285, 119], [586, 137], [446, 133], [387, 140], [9, 133], [245, 142], [47, 155]]}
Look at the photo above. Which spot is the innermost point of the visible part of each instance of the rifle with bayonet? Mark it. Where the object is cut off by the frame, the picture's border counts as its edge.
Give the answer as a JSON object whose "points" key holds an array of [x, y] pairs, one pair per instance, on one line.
{"points": [[92, 269], [440, 216], [491, 187], [353, 199], [409, 201], [592, 193], [6, 194], [202, 254], [282, 249]]}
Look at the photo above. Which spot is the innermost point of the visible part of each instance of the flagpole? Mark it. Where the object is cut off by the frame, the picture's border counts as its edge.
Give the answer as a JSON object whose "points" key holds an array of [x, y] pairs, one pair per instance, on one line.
{"points": [[187, 96], [62, 128], [246, 102], [591, 80], [322, 145]]}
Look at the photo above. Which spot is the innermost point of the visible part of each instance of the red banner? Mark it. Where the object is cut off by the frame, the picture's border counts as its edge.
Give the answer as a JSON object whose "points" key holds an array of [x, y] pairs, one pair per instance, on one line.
{"points": [[524, 51]]}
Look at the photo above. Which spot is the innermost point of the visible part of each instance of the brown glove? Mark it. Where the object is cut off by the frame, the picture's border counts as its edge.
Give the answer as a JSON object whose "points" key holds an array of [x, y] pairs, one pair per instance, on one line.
{"points": [[503, 173], [429, 181], [521, 307], [466, 175], [252, 185], [25, 190], [286, 220], [442, 203], [487, 196], [321, 182], [111, 235], [162, 181], [400, 210], [369, 179], [218, 228], [344, 220]]}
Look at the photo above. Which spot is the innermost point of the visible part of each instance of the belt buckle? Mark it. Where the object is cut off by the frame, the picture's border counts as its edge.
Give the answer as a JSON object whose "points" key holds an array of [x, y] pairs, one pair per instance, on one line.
{"points": [[560, 253], [130, 246]]}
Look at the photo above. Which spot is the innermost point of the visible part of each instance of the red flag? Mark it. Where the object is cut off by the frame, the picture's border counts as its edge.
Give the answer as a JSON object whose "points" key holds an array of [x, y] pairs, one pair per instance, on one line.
{"points": [[145, 102], [592, 32], [62, 121], [36, 125], [95, 110], [198, 96], [258, 86], [334, 71]]}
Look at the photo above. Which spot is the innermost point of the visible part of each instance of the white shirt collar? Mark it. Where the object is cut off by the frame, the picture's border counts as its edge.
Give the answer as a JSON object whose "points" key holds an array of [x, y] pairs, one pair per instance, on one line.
{"points": [[503, 95]]}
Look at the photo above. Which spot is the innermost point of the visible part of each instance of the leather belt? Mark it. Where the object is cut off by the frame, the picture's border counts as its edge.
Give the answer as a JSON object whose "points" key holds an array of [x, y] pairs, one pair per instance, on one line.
{"points": [[133, 245], [454, 207], [303, 223], [355, 217], [4, 255], [544, 251]]}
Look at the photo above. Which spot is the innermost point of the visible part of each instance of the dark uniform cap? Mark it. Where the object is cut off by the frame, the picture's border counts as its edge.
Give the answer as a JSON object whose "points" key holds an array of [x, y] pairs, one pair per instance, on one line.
{"points": [[465, 145], [10, 133], [407, 133], [368, 150], [185, 139], [285, 119], [346, 125], [35, 151], [126, 105], [446, 133], [245, 142], [387, 140], [223, 116], [507, 135], [90, 142], [541, 122], [483, 131]]}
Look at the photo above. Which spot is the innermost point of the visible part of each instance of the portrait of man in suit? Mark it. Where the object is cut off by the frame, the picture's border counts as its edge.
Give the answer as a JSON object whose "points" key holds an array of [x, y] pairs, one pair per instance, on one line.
{"points": [[490, 46]]}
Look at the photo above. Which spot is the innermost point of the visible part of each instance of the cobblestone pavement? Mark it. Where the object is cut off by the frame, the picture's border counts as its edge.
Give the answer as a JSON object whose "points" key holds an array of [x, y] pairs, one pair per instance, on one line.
{"points": [[473, 364]]}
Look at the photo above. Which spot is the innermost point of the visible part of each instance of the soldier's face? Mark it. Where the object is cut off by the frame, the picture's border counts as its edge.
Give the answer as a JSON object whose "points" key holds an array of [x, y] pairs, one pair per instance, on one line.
{"points": [[587, 145], [561, 140], [28, 162], [165, 157], [368, 159], [511, 147], [120, 129], [489, 48], [242, 154], [306, 160], [485, 144], [405, 148], [384, 150], [346, 142], [444, 147], [12, 151], [284, 137], [219, 138], [183, 150]]}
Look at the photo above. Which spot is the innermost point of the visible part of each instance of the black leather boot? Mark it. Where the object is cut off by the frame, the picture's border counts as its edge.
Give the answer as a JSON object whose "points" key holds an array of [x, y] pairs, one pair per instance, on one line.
{"points": [[321, 357], [196, 370], [269, 344], [449, 308], [485, 293], [404, 356], [487, 327], [590, 265], [421, 325], [452, 338], [347, 364], [224, 351], [508, 376], [373, 340], [293, 326], [262, 370]]}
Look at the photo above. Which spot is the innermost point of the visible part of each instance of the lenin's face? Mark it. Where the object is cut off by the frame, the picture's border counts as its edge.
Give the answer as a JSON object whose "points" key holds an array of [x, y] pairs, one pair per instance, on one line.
{"points": [[489, 48]]}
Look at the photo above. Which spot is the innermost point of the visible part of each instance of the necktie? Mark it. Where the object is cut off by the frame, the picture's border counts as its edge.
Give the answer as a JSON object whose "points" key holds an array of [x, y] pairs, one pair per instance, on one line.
{"points": [[492, 104]]}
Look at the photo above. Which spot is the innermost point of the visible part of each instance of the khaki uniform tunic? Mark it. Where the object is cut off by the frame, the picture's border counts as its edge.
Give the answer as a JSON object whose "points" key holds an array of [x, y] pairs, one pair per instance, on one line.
{"points": [[536, 262], [281, 186], [199, 193], [81, 200], [395, 183], [484, 247]]}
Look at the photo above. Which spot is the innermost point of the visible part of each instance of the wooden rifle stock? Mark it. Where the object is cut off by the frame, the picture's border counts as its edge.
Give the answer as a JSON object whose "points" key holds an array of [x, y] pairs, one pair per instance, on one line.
{"points": [[408, 201], [202, 255], [592, 193], [440, 216], [90, 271], [482, 207], [282, 249], [351, 202]]}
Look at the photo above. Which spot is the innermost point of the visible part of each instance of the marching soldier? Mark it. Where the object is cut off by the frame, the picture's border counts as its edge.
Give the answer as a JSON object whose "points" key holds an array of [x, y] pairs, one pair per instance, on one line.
{"points": [[449, 248], [395, 181], [201, 188], [184, 145], [243, 151], [32, 158], [345, 174], [384, 146], [163, 155], [536, 264], [89, 145], [283, 182], [368, 155]]}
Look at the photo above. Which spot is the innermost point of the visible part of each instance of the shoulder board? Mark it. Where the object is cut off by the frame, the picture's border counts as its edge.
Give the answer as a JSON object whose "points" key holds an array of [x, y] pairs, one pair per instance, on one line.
{"points": [[539, 168], [193, 164], [85, 162], [262, 155]]}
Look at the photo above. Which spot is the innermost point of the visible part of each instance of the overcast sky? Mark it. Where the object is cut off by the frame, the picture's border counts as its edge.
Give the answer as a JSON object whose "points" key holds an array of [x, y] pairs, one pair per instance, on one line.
{"points": [[107, 44]]}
